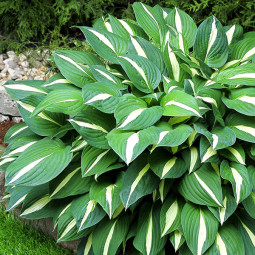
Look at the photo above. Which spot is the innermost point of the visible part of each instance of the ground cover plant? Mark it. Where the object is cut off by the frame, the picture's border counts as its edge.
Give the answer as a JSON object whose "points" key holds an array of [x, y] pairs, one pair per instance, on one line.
{"points": [[147, 146], [20, 238]]}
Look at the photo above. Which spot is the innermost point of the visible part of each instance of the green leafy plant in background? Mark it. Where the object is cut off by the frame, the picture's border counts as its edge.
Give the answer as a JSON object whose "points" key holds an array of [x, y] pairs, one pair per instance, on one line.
{"points": [[152, 148]]}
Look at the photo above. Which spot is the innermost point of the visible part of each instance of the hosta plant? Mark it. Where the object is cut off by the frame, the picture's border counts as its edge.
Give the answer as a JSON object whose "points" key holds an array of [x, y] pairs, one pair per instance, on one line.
{"points": [[147, 146]]}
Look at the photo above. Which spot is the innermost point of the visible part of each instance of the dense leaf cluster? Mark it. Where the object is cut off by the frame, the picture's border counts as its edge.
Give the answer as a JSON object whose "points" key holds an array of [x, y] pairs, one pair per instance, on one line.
{"points": [[152, 147], [19, 18]]}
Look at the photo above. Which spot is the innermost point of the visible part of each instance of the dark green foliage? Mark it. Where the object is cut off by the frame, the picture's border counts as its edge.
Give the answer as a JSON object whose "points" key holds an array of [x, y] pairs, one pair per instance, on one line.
{"points": [[48, 22]]}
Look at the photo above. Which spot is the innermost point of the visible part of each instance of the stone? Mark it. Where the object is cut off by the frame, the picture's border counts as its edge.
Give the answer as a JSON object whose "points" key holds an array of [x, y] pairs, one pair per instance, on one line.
{"points": [[2, 67], [15, 74], [4, 118], [10, 54], [1, 59], [22, 57], [5, 70], [25, 64], [10, 63], [38, 64], [17, 119], [30, 78], [7, 105]]}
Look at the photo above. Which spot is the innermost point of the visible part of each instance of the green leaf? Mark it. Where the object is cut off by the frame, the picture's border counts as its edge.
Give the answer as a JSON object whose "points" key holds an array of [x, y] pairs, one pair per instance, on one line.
{"points": [[39, 164], [166, 165], [129, 145], [192, 158], [133, 113], [94, 160], [148, 239], [182, 23], [142, 72], [239, 177], [243, 127], [107, 45], [233, 33], [93, 126], [74, 66], [107, 194], [85, 246], [21, 89], [138, 181], [108, 235], [211, 44], [86, 212], [170, 215], [68, 101], [178, 103], [234, 153], [202, 187], [240, 75], [249, 205], [57, 81], [199, 227], [177, 239]]}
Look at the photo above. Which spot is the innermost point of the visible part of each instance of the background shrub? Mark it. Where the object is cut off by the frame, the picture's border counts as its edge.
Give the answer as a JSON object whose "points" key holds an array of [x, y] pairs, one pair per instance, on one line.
{"points": [[48, 22]]}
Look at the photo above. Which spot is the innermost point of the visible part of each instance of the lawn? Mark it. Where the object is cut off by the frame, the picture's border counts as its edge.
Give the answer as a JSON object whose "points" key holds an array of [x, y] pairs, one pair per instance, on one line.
{"points": [[19, 238]]}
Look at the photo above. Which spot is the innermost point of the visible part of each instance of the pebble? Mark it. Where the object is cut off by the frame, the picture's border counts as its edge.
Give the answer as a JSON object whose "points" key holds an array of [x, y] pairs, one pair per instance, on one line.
{"points": [[9, 63], [17, 119], [15, 74], [4, 118]]}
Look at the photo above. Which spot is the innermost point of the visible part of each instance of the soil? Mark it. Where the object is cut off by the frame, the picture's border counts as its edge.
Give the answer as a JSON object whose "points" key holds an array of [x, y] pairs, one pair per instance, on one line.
{"points": [[4, 126]]}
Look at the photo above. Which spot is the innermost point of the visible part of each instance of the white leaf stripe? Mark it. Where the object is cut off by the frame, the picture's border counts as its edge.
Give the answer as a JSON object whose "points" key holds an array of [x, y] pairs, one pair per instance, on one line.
{"points": [[66, 100], [174, 63], [88, 245], [213, 37], [24, 87], [209, 153], [18, 131], [246, 129], [64, 181], [207, 189], [99, 97], [138, 47], [230, 34], [18, 202], [136, 181], [243, 76], [108, 196], [107, 76], [178, 22], [102, 38], [131, 143], [126, 26], [202, 234], [149, 234], [89, 209], [221, 245], [236, 154], [222, 211], [6, 160], [215, 140], [31, 108], [81, 145], [56, 82], [108, 239], [177, 239], [250, 233], [99, 157], [208, 100], [38, 205], [183, 106], [73, 63], [247, 99], [88, 125], [168, 166], [20, 149], [238, 183], [248, 54], [62, 212], [193, 158], [68, 228], [138, 68], [150, 15], [170, 217], [132, 116], [162, 135], [108, 26], [161, 189], [27, 168]]}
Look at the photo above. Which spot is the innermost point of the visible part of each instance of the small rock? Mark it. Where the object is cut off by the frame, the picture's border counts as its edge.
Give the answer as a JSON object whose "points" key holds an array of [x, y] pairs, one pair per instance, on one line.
{"points": [[30, 78], [10, 63], [5, 70], [22, 57], [2, 75], [25, 64], [10, 54], [38, 77], [4, 118], [38, 64], [15, 74], [1, 59], [2, 67], [17, 119]]}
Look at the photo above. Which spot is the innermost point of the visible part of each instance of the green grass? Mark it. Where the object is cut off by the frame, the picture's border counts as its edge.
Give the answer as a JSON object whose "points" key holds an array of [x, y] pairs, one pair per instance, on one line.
{"points": [[19, 238]]}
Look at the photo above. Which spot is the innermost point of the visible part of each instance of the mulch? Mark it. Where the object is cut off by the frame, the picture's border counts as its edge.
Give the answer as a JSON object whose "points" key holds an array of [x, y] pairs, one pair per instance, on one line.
{"points": [[4, 126]]}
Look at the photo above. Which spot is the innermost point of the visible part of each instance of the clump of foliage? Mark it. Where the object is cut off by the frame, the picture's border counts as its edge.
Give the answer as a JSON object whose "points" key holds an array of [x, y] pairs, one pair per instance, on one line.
{"points": [[52, 29], [153, 146]]}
